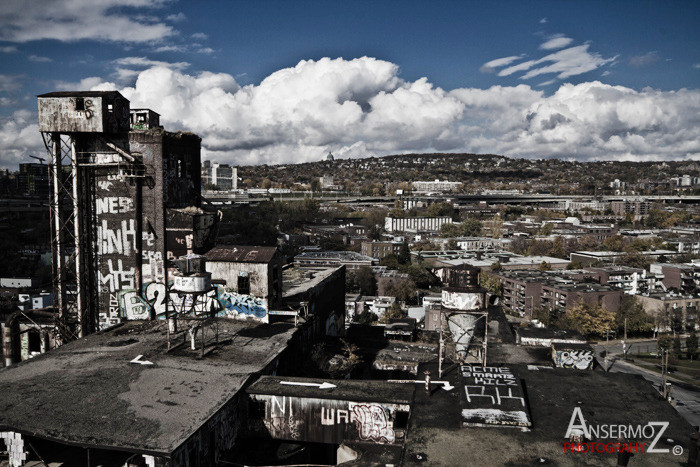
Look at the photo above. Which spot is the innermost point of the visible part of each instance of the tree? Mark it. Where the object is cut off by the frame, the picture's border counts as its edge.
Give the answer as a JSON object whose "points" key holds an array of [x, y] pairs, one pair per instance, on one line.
{"points": [[403, 289], [404, 253], [677, 346], [663, 343], [361, 280], [491, 283], [470, 227], [315, 184], [691, 345], [588, 319], [497, 266], [448, 230], [545, 266], [393, 312], [638, 320]]}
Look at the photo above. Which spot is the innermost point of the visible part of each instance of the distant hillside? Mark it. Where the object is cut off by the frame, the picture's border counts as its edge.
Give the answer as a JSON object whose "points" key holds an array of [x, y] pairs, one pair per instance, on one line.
{"points": [[476, 171]]}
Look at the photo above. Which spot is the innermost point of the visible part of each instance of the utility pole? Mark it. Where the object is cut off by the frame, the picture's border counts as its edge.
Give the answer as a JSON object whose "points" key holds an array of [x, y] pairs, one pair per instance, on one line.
{"points": [[664, 370], [625, 328]]}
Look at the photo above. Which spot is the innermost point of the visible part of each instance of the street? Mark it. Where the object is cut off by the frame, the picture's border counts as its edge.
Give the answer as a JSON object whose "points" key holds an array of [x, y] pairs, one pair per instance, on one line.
{"points": [[687, 401]]}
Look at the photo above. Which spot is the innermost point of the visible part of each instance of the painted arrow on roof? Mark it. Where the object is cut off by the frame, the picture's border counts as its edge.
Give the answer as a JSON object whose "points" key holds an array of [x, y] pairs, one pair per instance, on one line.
{"points": [[323, 385], [445, 384], [141, 362]]}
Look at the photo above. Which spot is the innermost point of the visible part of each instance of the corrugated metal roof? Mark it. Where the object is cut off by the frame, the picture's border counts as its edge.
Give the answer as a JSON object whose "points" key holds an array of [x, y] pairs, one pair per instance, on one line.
{"points": [[242, 254]]}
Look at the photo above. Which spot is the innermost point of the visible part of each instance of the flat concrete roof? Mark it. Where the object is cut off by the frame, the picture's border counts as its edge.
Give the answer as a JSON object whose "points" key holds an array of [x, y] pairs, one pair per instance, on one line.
{"points": [[88, 392], [435, 437], [345, 389]]}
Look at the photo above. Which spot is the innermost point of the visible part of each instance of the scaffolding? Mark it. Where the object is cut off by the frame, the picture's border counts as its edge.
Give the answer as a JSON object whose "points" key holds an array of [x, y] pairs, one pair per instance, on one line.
{"points": [[74, 223]]}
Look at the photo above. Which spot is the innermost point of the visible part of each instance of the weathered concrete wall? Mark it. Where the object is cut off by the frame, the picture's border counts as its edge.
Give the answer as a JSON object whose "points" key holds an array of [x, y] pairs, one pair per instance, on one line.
{"points": [[133, 241], [326, 421]]}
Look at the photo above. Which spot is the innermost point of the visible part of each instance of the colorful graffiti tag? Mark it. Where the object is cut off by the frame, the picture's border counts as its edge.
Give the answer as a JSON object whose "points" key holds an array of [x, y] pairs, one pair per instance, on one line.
{"points": [[151, 301]]}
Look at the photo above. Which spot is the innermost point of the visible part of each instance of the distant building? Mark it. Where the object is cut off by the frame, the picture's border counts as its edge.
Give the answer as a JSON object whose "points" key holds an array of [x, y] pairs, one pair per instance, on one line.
{"points": [[589, 257], [637, 208], [680, 277], [672, 310], [525, 292], [326, 181], [249, 272], [381, 250], [325, 259], [329, 156], [206, 172], [415, 224], [33, 179], [436, 186], [224, 176]]}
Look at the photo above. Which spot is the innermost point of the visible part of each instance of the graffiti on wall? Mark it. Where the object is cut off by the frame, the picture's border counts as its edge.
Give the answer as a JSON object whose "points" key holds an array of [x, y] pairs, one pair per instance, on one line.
{"points": [[462, 300], [373, 423], [154, 295], [298, 419], [577, 359]]}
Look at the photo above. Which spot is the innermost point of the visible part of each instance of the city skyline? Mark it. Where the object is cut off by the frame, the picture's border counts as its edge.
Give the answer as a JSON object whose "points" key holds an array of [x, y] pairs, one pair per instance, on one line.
{"points": [[275, 82]]}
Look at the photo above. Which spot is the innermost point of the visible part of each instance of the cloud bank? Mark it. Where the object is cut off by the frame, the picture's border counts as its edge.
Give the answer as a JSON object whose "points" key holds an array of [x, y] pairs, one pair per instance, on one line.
{"points": [[362, 107]]}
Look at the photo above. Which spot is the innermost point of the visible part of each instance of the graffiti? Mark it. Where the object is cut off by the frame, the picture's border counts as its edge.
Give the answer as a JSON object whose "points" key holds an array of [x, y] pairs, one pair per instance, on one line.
{"points": [[373, 423], [155, 295], [116, 241], [104, 185], [461, 300], [114, 204], [328, 417], [234, 304], [494, 396], [117, 278], [133, 306], [577, 359]]}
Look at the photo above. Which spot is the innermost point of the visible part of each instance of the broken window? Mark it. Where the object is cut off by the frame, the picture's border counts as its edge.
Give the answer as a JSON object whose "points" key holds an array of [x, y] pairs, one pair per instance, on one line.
{"points": [[79, 103], [244, 285], [401, 420]]}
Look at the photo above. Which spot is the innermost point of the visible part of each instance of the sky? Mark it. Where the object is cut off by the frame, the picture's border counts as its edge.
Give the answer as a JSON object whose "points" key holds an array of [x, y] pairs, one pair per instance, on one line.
{"points": [[277, 82]]}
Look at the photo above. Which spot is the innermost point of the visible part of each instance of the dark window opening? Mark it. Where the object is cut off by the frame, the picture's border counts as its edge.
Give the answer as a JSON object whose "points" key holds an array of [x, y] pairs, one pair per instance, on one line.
{"points": [[79, 103], [257, 409], [401, 420], [34, 341], [244, 285]]}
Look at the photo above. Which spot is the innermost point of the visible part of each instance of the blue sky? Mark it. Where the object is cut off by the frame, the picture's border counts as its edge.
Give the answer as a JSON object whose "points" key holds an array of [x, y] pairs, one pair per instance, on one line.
{"points": [[284, 81]]}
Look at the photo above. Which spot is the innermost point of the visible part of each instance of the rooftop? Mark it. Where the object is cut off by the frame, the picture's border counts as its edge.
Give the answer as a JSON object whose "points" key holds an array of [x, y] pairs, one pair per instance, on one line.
{"points": [[90, 392], [241, 254], [355, 390], [435, 437]]}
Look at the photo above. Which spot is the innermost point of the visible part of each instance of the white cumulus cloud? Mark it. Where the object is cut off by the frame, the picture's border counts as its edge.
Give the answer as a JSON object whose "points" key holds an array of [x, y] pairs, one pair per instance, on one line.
{"points": [[362, 107]]}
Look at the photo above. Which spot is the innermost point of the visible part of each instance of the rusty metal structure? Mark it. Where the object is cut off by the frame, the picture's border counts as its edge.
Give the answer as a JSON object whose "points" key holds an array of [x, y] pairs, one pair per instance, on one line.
{"points": [[79, 130]]}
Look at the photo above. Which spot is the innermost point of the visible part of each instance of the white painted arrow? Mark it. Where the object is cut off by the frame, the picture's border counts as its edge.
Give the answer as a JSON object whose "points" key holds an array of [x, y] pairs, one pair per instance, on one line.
{"points": [[141, 362], [445, 384], [323, 385]]}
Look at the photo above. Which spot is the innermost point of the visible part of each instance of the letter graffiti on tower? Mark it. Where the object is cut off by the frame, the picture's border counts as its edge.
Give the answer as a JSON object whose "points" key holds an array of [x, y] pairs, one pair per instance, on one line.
{"points": [[154, 295]]}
